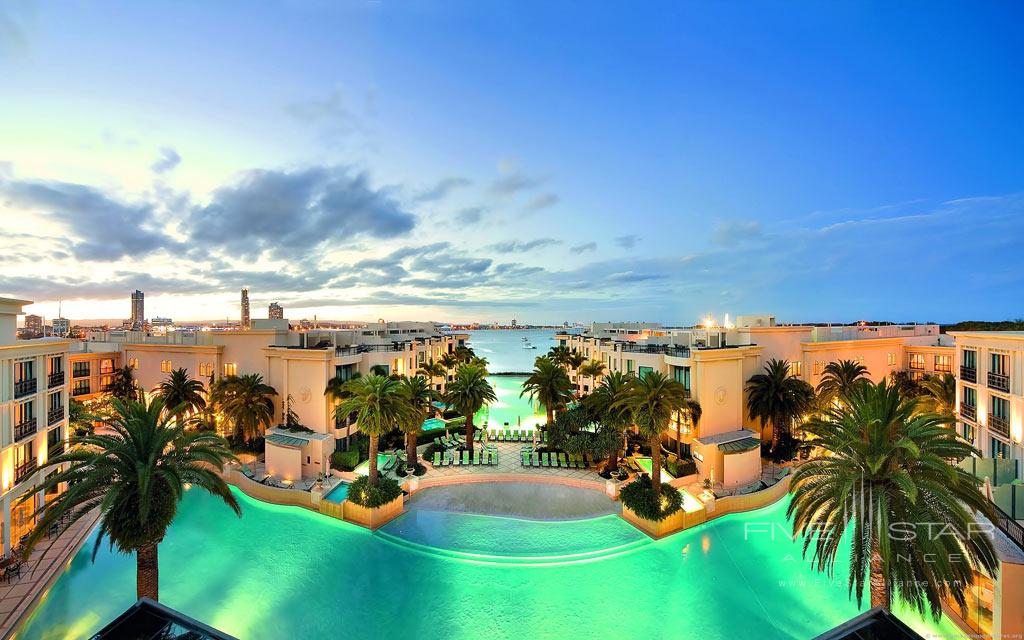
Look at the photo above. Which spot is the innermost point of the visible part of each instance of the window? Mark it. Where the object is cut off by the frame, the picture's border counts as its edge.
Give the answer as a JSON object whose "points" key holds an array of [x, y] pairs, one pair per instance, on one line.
{"points": [[106, 365], [54, 364], [205, 369], [80, 369], [917, 361], [890, 359], [53, 437], [796, 368], [643, 371], [105, 382], [999, 449], [23, 412], [80, 388], [630, 365], [682, 376], [943, 364], [56, 402], [969, 357], [1000, 407], [133, 363], [1000, 364], [231, 368], [970, 397], [969, 432], [819, 366], [166, 366], [24, 370]]}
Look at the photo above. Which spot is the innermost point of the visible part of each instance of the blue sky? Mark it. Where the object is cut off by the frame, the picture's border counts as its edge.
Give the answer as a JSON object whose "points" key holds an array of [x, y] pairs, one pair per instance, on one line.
{"points": [[537, 160]]}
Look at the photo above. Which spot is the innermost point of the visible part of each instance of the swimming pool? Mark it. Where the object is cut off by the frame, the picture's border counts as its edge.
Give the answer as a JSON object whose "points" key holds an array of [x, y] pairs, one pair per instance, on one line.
{"points": [[430, 424], [338, 493], [282, 572], [647, 465]]}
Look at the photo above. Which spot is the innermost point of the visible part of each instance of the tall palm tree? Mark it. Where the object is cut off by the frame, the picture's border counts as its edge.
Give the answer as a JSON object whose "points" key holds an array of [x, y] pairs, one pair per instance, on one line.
{"points": [[135, 476], [652, 401], [248, 403], [449, 361], [939, 395], [559, 354], [122, 384], [607, 403], [464, 354], [775, 397], [888, 472], [593, 370], [575, 359], [839, 379], [337, 392], [420, 395], [182, 394], [690, 414], [548, 385], [379, 405], [431, 370], [468, 393]]}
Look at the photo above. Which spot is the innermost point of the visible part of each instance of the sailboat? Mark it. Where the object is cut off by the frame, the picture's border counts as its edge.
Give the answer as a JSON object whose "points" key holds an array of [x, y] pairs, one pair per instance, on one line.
{"points": [[527, 345]]}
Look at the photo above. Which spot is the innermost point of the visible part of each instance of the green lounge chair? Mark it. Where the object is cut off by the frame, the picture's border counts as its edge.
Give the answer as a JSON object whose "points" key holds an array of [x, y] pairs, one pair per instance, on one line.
{"points": [[563, 460], [545, 460], [476, 456], [506, 436], [535, 460], [456, 458], [494, 457], [526, 458], [491, 434], [437, 458], [465, 457]]}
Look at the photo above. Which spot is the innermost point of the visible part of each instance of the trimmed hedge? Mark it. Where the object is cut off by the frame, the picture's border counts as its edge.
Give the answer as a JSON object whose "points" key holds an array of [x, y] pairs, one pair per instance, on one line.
{"points": [[345, 460], [640, 497], [361, 493]]}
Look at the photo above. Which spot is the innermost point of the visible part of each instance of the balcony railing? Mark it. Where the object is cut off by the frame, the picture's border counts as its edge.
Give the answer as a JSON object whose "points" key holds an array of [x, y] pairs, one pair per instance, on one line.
{"points": [[1013, 529], [663, 349], [25, 387], [55, 379], [55, 449], [53, 416], [968, 374], [80, 391], [79, 373], [24, 470], [998, 425], [969, 412], [999, 382], [24, 429]]}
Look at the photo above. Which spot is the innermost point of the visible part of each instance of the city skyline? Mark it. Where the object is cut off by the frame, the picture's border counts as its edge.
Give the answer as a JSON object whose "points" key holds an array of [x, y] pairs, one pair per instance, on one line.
{"points": [[430, 162]]}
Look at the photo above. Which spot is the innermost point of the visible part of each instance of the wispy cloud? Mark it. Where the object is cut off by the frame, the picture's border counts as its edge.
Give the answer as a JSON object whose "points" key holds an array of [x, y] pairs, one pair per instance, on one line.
{"points": [[518, 246], [168, 160], [582, 248], [627, 242]]}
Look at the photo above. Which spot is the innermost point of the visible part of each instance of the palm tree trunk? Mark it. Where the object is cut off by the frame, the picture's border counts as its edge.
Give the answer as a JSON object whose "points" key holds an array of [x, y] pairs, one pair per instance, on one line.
{"points": [[656, 464], [613, 461], [551, 415], [469, 433], [147, 573], [679, 440], [775, 434], [879, 587], [374, 474], [410, 449]]}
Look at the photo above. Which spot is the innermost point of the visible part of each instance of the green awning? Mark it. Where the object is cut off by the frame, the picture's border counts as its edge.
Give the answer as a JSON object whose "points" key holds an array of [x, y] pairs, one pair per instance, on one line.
{"points": [[286, 441], [739, 446]]}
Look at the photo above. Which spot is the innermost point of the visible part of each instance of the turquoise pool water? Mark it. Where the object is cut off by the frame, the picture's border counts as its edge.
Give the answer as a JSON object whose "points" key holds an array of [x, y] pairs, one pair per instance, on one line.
{"points": [[281, 572], [510, 408], [338, 493], [431, 424]]}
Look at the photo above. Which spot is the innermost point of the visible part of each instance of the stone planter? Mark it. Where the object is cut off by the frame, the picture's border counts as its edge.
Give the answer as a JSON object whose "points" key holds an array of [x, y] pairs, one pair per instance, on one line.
{"points": [[375, 517], [676, 522]]}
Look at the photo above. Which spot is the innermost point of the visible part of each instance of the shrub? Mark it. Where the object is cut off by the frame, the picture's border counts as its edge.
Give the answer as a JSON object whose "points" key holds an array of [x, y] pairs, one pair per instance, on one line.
{"points": [[680, 467], [639, 496], [345, 460], [361, 493]]}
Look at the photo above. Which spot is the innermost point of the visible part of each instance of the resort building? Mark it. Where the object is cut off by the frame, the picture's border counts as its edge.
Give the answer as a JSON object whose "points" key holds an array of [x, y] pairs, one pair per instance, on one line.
{"points": [[91, 366], [33, 418]]}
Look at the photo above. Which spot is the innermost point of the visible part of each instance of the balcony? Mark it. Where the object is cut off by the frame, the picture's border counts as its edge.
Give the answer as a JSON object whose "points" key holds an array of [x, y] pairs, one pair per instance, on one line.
{"points": [[999, 426], [663, 349], [78, 372], [968, 374], [24, 470], [80, 391], [999, 382], [969, 412], [25, 429], [53, 416], [55, 449], [25, 388], [55, 379]]}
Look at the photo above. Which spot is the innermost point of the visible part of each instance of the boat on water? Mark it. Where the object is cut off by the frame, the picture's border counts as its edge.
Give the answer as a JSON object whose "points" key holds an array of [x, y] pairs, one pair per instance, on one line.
{"points": [[527, 345]]}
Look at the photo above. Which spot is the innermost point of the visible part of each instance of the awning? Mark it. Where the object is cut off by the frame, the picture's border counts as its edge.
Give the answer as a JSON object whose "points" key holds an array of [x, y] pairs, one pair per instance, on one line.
{"points": [[287, 441], [739, 446]]}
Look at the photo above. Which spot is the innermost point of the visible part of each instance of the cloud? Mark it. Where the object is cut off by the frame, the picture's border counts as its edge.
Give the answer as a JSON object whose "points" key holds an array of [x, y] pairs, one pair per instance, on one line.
{"points": [[626, 277], [290, 212], [627, 242], [514, 182], [442, 189], [581, 248], [101, 228], [732, 233], [542, 201], [168, 160], [470, 215], [517, 246]]}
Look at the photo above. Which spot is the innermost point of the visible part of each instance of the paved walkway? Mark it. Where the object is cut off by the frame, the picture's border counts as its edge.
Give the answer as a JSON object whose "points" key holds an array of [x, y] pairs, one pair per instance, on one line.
{"points": [[48, 559]]}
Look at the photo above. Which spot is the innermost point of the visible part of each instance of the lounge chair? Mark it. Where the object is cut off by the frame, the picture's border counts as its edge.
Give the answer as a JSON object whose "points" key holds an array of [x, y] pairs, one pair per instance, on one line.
{"points": [[525, 457], [535, 460], [465, 457], [389, 463], [563, 461], [437, 459], [545, 460], [476, 456], [493, 457]]}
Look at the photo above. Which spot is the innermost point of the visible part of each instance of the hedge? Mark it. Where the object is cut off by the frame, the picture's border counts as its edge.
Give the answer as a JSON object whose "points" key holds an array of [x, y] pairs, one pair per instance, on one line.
{"points": [[345, 460], [639, 496], [361, 493]]}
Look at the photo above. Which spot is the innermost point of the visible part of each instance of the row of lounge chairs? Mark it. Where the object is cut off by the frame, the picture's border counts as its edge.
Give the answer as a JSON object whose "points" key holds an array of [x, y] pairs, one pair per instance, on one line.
{"points": [[559, 460], [456, 458], [514, 435]]}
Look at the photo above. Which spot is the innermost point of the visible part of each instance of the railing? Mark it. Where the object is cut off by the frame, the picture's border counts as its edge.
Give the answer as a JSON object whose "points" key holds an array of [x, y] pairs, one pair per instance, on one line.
{"points": [[372, 348], [1013, 529], [80, 373], [25, 387], [25, 429], [968, 374], [80, 391], [24, 470], [55, 379], [970, 412], [999, 425], [662, 349], [55, 449], [54, 415], [916, 366], [999, 382]]}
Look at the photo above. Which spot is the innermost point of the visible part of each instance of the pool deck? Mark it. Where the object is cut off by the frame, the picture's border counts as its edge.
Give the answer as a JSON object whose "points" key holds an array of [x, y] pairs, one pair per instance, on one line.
{"points": [[509, 463], [48, 559]]}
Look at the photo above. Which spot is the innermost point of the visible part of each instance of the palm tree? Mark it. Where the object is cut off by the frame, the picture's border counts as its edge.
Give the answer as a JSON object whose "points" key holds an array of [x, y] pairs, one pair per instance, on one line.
{"points": [[559, 355], [939, 395], [839, 379], [593, 370], [607, 404], [449, 361], [778, 398], [548, 385], [181, 393], [431, 370], [380, 405], [691, 414], [575, 359], [122, 384], [420, 395], [247, 402], [652, 401], [888, 468], [135, 476], [468, 393]]}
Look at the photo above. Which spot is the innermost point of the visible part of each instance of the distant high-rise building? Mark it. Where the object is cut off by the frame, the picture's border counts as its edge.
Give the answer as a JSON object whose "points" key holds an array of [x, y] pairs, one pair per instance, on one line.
{"points": [[275, 311], [245, 308], [61, 327], [138, 310], [34, 323]]}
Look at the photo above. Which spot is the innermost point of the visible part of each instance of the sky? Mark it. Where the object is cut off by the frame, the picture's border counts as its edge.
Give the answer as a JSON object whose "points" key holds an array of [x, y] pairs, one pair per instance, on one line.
{"points": [[543, 161]]}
